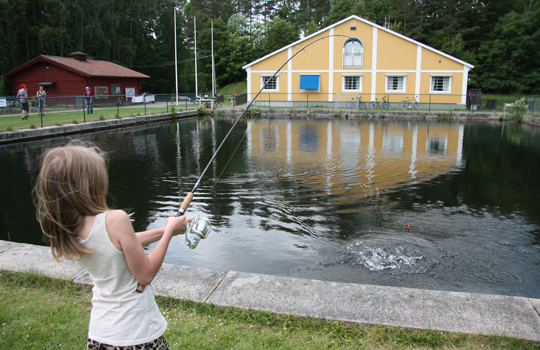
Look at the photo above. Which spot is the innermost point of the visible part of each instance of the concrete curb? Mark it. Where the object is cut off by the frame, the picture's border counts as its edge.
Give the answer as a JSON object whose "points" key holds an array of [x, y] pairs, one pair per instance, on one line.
{"points": [[365, 304], [70, 129]]}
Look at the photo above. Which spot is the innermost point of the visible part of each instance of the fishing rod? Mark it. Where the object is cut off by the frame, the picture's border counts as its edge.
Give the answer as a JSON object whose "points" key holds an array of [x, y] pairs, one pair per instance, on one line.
{"points": [[200, 226]]}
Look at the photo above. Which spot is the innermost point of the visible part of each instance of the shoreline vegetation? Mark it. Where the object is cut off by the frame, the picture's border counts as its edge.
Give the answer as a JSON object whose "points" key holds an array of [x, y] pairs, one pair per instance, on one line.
{"points": [[38, 312]]}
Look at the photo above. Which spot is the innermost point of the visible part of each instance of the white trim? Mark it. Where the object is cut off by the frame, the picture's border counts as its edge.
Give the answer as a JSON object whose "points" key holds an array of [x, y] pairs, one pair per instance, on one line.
{"points": [[289, 75], [395, 91], [331, 66], [366, 22], [450, 76], [248, 71], [418, 72], [374, 64], [436, 72], [361, 83], [464, 85]]}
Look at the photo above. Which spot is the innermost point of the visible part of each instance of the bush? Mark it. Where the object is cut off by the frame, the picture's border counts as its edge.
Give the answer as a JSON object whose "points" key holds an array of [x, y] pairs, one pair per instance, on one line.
{"points": [[517, 110], [200, 110]]}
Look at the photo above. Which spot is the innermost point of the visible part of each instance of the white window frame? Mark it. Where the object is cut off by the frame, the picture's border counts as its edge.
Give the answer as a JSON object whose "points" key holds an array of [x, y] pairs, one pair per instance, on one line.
{"points": [[404, 76], [269, 76], [433, 76], [344, 78], [345, 54]]}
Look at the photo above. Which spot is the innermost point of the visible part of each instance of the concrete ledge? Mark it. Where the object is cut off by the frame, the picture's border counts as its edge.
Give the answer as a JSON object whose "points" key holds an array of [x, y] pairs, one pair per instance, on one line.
{"points": [[390, 306], [184, 282], [365, 304], [369, 114], [68, 129], [20, 257]]}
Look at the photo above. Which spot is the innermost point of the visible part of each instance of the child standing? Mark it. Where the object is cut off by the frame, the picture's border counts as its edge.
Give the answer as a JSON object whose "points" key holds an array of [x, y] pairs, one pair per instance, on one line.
{"points": [[88, 96], [70, 197], [41, 95]]}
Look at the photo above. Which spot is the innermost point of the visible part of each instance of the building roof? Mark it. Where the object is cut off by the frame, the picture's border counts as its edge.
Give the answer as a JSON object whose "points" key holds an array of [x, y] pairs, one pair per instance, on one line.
{"points": [[306, 39], [88, 68]]}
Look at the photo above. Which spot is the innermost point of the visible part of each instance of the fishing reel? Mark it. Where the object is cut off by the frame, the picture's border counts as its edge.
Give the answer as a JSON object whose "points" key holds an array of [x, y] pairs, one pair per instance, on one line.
{"points": [[197, 229]]}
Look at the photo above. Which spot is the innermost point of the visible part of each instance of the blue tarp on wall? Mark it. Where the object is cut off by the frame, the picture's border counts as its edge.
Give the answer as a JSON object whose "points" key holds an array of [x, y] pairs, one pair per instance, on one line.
{"points": [[309, 82]]}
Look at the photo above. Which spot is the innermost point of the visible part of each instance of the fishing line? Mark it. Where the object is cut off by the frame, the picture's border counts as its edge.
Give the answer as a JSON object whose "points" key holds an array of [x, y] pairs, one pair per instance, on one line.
{"points": [[189, 196], [226, 165]]}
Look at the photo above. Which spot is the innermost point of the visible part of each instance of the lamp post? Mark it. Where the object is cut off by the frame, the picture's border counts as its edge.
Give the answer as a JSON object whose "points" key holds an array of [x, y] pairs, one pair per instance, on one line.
{"points": [[175, 57]]}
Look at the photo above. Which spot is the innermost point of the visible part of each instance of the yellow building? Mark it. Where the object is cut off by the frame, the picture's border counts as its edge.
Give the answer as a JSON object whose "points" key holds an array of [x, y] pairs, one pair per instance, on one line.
{"points": [[357, 58]]}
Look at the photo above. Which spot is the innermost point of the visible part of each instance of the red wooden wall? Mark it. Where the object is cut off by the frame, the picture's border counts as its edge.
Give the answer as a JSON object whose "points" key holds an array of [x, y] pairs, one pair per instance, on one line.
{"points": [[68, 83]]}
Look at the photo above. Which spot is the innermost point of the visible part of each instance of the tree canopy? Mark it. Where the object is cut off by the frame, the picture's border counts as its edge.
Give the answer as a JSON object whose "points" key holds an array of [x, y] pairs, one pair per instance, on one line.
{"points": [[501, 38]]}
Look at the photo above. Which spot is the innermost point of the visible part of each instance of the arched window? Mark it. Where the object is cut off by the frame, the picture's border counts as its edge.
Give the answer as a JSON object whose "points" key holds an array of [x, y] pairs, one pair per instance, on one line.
{"points": [[353, 53]]}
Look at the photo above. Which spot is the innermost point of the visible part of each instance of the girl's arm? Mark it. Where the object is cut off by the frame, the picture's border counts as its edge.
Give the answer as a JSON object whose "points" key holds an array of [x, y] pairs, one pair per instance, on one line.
{"points": [[143, 267], [150, 236]]}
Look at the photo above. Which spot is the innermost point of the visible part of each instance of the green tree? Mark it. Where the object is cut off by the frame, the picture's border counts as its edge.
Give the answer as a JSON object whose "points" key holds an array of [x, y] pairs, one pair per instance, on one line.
{"points": [[280, 33], [340, 9], [312, 28], [509, 62], [6, 88], [239, 50]]}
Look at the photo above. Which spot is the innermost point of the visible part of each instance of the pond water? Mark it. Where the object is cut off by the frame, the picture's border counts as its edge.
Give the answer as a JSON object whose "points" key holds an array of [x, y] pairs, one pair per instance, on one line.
{"points": [[434, 205]]}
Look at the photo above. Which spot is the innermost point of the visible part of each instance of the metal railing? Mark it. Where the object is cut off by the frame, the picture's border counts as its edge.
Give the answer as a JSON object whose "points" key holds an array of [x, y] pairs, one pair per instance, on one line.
{"points": [[122, 105], [394, 101]]}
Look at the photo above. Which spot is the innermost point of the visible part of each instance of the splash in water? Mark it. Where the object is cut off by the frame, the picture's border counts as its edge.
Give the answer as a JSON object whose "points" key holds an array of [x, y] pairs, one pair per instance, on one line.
{"points": [[394, 256]]}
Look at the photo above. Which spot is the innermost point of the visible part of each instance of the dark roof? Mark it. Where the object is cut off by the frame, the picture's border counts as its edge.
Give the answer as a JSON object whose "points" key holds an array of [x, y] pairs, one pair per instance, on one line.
{"points": [[89, 68]]}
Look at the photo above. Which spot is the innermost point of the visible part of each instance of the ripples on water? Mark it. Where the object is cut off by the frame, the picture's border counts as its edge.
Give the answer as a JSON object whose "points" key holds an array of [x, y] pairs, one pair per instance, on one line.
{"points": [[333, 199]]}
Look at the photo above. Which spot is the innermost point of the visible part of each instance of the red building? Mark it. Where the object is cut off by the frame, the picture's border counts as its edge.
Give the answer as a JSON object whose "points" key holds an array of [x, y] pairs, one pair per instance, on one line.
{"points": [[67, 76]]}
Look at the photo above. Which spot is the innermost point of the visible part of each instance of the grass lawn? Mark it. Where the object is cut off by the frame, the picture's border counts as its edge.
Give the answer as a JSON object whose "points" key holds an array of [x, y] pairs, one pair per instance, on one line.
{"points": [[37, 312], [236, 88], [52, 118]]}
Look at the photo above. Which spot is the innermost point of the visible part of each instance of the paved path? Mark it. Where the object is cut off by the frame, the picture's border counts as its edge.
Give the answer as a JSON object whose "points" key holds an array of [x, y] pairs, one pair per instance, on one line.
{"points": [[365, 304]]}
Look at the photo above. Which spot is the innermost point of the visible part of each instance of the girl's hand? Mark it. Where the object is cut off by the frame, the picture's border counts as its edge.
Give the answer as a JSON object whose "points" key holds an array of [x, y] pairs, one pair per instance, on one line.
{"points": [[177, 224]]}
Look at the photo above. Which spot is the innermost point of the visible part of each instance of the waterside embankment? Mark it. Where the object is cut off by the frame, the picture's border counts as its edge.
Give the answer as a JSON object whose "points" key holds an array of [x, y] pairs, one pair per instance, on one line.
{"points": [[73, 129], [364, 304]]}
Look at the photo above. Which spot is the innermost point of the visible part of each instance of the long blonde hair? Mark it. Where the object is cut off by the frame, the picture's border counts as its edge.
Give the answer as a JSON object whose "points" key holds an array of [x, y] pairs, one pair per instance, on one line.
{"points": [[71, 184]]}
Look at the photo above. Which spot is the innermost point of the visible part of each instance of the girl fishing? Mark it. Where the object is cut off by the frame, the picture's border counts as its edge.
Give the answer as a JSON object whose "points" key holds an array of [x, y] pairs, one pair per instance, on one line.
{"points": [[70, 196]]}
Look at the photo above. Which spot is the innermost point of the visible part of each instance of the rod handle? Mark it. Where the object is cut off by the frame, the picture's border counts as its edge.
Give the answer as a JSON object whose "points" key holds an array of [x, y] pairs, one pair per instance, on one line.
{"points": [[185, 204]]}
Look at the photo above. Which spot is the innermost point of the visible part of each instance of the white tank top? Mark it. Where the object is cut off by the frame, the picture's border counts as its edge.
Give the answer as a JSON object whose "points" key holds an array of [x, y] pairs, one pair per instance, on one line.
{"points": [[120, 316]]}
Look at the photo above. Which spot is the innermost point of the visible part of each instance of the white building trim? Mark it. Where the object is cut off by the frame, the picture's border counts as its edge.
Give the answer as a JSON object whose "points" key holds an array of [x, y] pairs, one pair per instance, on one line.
{"points": [[289, 75], [464, 84], [374, 64], [331, 66], [248, 70], [418, 72], [306, 39]]}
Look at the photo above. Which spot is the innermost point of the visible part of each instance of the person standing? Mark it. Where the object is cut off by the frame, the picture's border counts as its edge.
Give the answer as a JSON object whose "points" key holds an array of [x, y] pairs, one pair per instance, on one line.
{"points": [[22, 97], [40, 95], [70, 197], [88, 95]]}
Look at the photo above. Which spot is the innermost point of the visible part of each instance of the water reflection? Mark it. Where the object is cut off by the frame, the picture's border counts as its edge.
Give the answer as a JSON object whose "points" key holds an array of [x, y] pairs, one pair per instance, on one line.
{"points": [[349, 160], [417, 204]]}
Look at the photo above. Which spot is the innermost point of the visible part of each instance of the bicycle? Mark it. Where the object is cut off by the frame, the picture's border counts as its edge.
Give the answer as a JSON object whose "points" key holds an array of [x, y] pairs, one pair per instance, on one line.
{"points": [[382, 104], [405, 105], [356, 103]]}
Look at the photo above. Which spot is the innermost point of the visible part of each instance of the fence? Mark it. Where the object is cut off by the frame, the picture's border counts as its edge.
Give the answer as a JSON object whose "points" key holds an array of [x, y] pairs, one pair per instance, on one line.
{"points": [[121, 105], [395, 101]]}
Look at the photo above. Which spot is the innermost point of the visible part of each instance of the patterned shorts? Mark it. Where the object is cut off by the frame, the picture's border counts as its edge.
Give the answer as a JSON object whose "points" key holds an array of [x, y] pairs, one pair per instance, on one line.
{"points": [[157, 344]]}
